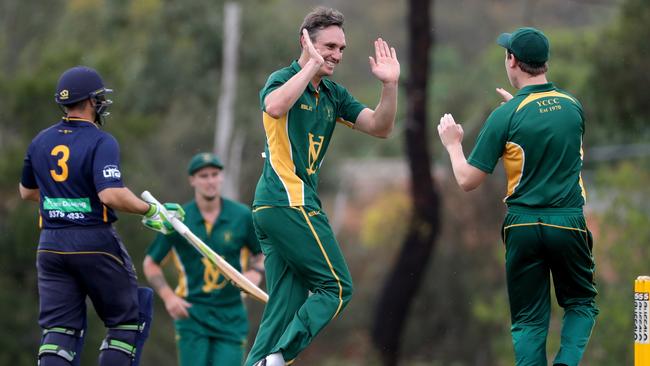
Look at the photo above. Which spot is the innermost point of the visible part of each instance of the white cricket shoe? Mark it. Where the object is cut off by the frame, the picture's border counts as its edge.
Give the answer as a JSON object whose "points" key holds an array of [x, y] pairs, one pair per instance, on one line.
{"points": [[274, 359]]}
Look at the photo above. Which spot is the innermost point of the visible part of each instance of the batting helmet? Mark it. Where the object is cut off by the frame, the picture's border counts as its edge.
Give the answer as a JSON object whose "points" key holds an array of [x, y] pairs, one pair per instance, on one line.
{"points": [[80, 83]]}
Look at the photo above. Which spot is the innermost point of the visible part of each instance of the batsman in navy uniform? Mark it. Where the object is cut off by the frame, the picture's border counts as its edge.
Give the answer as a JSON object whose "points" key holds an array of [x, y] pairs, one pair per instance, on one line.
{"points": [[73, 170]]}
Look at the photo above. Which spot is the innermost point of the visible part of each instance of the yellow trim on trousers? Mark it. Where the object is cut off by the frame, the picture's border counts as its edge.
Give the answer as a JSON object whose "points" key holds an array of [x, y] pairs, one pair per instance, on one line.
{"points": [[338, 281], [543, 224], [69, 253]]}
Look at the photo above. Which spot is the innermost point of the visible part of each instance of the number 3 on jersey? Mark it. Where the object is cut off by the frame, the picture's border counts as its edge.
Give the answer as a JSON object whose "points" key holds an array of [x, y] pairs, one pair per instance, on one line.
{"points": [[63, 153]]}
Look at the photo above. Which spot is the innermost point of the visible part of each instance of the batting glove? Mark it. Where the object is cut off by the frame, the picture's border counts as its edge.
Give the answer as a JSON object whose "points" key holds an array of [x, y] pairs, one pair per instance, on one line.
{"points": [[156, 221], [175, 210]]}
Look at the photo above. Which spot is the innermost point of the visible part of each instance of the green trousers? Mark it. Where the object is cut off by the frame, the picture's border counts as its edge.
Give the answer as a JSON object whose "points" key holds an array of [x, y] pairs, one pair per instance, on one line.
{"points": [[212, 335], [196, 349], [307, 279], [539, 244]]}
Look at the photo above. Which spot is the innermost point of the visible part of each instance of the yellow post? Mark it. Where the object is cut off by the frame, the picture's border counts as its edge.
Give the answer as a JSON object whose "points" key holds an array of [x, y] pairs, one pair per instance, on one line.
{"points": [[641, 318]]}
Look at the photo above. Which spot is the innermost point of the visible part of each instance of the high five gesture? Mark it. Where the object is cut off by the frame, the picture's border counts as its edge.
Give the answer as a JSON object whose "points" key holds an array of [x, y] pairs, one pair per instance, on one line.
{"points": [[380, 121], [384, 65], [301, 104]]}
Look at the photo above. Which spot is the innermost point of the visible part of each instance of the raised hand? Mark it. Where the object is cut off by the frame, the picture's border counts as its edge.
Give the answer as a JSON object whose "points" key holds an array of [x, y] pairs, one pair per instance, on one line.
{"points": [[384, 65], [450, 132], [308, 47], [504, 94]]}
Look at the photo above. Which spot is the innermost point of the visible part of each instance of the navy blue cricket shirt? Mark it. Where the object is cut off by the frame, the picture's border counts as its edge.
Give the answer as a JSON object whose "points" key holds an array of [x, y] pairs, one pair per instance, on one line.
{"points": [[71, 162]]}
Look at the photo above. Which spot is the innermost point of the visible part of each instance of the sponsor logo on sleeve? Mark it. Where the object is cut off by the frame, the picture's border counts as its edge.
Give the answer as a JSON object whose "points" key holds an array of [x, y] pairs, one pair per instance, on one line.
{"points": [[111, 171]]}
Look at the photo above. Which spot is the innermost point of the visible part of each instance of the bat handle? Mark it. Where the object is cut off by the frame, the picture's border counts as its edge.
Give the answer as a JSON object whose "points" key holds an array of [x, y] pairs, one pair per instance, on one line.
{"points": [[176, 223], [148, 197]]}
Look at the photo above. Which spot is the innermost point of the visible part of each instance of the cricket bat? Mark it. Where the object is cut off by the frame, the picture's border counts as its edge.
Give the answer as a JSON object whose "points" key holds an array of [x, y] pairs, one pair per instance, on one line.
{"points": [[228, 271]]}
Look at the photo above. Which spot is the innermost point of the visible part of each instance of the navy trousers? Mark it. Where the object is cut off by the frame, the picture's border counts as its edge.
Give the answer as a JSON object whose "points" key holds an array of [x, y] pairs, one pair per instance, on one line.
{"points": [[75, 263]]}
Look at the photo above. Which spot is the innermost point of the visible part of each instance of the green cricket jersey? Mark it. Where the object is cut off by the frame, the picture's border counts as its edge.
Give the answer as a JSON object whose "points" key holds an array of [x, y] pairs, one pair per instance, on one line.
{"points": [[199, 280], [539, 135], [296, 142]]}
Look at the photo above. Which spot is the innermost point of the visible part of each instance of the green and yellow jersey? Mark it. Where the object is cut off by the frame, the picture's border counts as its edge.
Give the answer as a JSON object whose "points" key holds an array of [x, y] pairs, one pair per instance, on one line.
{"points": [[297, 141], [199, 280], [539, 135]]}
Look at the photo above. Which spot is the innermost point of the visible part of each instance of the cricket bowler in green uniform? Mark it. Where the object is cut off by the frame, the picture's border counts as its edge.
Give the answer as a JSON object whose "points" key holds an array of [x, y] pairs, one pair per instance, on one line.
{"points": [[538, 134], [300, 108], [210, 318]]}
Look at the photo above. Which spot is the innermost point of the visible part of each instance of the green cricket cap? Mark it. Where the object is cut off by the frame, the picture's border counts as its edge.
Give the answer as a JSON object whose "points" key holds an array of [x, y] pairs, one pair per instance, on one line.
{"points": [[529, 45], [201, 160]]}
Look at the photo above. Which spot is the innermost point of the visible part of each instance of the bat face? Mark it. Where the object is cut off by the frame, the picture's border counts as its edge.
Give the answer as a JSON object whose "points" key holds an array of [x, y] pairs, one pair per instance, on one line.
{"points": [[228, 271]]}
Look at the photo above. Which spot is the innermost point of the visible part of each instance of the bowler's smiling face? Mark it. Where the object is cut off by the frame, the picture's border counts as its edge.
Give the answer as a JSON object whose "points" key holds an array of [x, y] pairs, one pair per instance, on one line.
{"points": [[330, 43]]}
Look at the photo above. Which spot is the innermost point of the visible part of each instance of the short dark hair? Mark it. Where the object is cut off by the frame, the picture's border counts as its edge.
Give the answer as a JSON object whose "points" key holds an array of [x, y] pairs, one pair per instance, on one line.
{"points": [[321, 18], [530, 68]]}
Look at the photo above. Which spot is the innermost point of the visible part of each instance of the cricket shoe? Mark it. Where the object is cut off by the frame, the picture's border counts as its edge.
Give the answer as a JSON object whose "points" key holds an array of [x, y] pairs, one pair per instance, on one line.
{"points": [[274, 359]]}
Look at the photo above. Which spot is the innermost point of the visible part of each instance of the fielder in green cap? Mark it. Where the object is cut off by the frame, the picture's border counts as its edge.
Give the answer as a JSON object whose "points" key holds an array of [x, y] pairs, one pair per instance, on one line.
{"points": [[210, 318], [201, 160], [538, 135]]}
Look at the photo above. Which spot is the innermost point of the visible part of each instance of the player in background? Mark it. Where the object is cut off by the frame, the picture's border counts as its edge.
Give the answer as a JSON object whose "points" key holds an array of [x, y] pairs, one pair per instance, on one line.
{"points": [[300, 108], [73, 170], [538, 134], [209, 315]]}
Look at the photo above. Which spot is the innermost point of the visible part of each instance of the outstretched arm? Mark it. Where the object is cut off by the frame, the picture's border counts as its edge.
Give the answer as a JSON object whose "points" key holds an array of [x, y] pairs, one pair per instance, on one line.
{"points": [[385, 66], [279, 101], [122, 199], [451, 134]]}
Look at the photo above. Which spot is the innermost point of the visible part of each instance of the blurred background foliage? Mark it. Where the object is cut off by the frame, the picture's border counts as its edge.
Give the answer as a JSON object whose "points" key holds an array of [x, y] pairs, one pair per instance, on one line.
{"points": [[163, 58]]}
